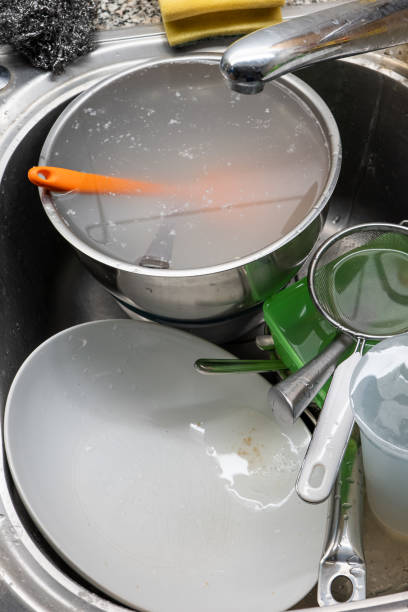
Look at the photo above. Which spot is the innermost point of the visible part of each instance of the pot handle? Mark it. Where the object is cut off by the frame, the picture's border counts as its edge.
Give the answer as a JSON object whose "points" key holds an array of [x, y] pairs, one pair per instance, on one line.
{"points": [[290, 398]]}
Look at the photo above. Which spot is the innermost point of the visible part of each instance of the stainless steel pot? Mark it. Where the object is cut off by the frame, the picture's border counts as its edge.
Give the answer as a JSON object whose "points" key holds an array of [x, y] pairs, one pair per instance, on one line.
{"points": [[206, 293]]}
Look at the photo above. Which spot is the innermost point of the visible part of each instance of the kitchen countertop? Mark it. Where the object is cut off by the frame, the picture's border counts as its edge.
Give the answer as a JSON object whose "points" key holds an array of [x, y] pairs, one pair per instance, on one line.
{"points": [[120, 13]]}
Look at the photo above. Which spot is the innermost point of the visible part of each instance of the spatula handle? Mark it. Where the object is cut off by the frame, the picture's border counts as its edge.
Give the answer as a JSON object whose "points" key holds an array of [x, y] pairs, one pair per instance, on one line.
{"points": [[62, 179], [322, 461]]}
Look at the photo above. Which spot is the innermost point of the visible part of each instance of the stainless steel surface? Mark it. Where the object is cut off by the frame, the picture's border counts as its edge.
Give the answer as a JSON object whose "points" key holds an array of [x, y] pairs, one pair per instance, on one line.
{"points": [[4, 77], [356, 27], [343, 556], [45, 289], [225, 366], [290, 398], [206, 297], [212, 292], [229, 329]]}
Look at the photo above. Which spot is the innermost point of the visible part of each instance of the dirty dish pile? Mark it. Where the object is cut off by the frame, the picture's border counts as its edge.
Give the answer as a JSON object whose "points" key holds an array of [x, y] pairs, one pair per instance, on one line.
{"points": [[245, 182], [182, 223], [161, 490]]}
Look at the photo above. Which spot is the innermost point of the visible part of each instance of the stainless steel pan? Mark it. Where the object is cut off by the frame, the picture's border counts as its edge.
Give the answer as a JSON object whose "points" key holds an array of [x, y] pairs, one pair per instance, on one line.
{"points": [[192, 294]]}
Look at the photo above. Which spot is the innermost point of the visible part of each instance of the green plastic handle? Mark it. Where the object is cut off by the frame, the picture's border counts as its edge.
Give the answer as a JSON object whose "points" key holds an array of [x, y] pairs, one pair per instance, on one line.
{"points": [[224, 366]]}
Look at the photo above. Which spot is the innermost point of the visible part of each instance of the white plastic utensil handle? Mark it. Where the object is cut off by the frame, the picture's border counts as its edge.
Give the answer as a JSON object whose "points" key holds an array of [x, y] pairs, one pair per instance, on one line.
{"points": [[322, 461]]}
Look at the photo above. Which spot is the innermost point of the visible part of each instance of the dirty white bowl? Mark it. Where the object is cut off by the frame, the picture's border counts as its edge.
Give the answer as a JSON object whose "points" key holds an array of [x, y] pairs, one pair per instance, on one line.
{"points": [[169, 490]]}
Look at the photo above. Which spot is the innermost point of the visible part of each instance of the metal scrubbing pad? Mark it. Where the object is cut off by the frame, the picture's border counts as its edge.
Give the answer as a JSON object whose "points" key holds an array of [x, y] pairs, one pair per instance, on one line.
{"points": [[49, 33]]}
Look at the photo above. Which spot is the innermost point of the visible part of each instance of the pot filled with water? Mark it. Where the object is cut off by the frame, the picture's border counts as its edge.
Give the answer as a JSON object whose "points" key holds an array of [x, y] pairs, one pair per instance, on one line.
{"points": [[228, 192]]}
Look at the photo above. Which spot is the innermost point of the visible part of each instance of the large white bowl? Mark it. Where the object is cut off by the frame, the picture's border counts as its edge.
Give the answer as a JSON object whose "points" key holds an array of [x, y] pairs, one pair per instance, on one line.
{"points": [[169, 490]]}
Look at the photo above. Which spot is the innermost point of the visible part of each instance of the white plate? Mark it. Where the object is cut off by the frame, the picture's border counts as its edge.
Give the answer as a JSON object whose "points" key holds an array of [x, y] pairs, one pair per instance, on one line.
{"points": [[169, 490]]}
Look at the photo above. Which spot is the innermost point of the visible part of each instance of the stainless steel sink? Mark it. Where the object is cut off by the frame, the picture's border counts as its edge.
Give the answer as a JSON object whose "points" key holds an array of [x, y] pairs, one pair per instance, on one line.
{"points": [[45, 289]]}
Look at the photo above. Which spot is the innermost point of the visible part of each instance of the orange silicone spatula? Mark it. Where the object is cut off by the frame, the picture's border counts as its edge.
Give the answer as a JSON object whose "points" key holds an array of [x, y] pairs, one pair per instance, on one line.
{"points": [[61, 179]]}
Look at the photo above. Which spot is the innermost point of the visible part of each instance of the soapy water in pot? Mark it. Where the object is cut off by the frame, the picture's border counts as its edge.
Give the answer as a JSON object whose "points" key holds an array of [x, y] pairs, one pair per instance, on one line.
{"points": [[245, 169]]}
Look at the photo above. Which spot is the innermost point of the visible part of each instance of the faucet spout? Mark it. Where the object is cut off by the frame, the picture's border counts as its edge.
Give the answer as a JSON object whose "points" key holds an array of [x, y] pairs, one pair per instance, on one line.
{"points": [[355, 27]]}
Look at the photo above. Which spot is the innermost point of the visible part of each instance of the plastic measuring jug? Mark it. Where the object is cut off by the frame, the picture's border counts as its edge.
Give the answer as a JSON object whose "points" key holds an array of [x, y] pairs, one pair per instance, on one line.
{"points": [[379, 399]]}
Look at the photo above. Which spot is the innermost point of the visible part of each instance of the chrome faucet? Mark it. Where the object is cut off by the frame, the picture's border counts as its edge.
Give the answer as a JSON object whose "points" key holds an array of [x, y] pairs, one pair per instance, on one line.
{"points": [[348, 29]]}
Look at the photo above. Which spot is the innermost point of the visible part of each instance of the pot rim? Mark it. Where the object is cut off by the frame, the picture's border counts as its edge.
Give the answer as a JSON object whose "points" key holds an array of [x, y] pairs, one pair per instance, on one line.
{"points": [[307, 95]]}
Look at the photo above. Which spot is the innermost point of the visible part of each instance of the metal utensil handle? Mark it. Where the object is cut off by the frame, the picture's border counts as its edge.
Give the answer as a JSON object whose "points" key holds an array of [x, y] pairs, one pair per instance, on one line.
{"points": [[322, 460], [225, 366], [159, 252], [289, 398], [343, 554]]}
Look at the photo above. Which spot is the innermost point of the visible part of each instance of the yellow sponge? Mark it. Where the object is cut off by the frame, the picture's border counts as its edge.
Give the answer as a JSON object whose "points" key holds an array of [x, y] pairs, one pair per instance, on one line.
{"points": [[189, 20]]}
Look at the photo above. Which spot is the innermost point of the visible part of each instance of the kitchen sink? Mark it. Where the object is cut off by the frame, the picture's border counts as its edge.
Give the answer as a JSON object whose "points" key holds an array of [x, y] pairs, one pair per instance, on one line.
{"points": [[45, 288]]}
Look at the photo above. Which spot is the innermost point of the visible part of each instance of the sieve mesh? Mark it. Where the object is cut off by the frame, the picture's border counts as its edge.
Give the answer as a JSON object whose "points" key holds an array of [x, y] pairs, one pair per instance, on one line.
{"points": [[360, 281]]}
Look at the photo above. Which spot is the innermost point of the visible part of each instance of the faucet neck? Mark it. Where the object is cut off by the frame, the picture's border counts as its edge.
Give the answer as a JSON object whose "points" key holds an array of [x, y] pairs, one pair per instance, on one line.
{"points": [[349, 29]]}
